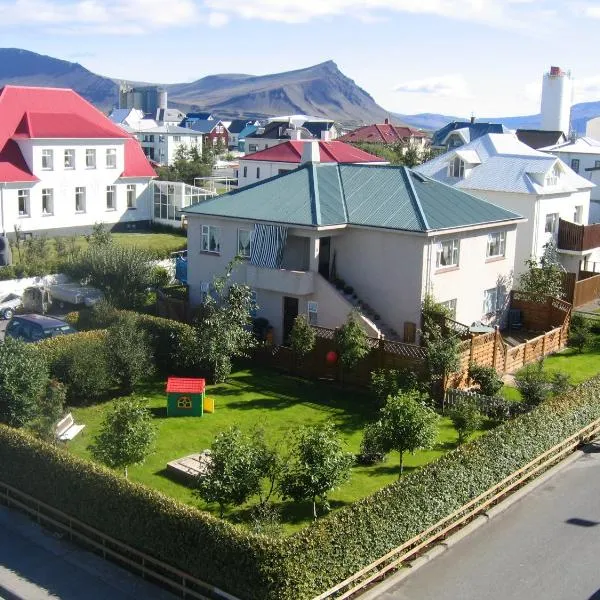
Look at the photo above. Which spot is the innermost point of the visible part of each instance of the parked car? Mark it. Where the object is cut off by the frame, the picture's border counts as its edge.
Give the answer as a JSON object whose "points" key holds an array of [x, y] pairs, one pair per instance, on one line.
{"points": [[9, 304], [34, 328]]}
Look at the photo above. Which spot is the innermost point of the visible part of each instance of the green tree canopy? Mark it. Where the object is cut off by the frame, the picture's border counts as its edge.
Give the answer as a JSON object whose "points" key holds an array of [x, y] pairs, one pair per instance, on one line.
{"points": [[188, 164], [302, 337], [351, 341], [543, 278]]}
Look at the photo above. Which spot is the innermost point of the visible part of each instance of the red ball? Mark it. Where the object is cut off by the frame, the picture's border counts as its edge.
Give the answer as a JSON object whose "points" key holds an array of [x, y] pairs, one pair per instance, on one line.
{"points": [[331, 357]]}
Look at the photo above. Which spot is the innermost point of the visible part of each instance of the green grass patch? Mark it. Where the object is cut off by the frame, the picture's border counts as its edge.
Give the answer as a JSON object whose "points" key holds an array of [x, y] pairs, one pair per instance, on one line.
{"points": [[280, 405]]}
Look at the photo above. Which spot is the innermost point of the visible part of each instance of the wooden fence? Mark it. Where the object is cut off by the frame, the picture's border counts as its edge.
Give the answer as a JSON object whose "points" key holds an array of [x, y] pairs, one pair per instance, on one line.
{"points": [[582, 289]]}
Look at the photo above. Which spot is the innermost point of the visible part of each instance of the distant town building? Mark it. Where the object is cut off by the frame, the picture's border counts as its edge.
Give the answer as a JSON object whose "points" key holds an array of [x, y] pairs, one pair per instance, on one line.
{"points": [[459, 133], [386, 133], [148, 99], [557, 96]]}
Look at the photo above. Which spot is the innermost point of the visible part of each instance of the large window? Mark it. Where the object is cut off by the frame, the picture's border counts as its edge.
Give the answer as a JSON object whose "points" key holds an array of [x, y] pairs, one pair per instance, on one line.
{"points": [[551, 223], [131, 195], [80, 199], [111, 197], [313, 313], [23, 200], [47, 160], [90, 158], [578, 215], [211, 239], [47, 201], [575, 164], [456, 168], [493, 300], [70, 158], [244, 241], [111, 158], [447, 254], [496, 244], [451, 306]]}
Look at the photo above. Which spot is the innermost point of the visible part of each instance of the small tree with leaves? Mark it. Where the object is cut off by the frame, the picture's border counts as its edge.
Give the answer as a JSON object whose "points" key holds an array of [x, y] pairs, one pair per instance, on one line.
{"points": [[302, 337], [544, 277], [239, 463], [318, 465], [443, 353], [407, 425], [49, 412], [466, 418], [351, 341], [126, 435]]}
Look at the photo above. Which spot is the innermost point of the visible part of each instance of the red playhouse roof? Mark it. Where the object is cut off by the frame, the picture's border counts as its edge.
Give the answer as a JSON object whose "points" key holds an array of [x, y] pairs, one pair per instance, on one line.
{"points": [[331, 152], [38, 112], [185, 385], [385, 133]]}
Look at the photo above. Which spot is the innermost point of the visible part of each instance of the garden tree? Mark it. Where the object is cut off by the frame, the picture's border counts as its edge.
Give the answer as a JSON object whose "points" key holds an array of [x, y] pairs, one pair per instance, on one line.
{"points": [[50, 410], [302, 337], [487, 378], [23, 379], [443, 353], [543, 278], [317, 466], [126, 435], [465, 417], [580, 333], [372, 445], [351, 341], [407, 425], [100, 235], [123, 273], [129, 354], [223, 325], [389, 382], [238, 465], [188, 164]]}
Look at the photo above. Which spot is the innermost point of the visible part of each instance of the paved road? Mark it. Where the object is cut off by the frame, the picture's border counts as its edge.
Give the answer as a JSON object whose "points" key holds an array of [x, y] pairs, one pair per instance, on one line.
{"points": [[546, 546], [36, 565]]}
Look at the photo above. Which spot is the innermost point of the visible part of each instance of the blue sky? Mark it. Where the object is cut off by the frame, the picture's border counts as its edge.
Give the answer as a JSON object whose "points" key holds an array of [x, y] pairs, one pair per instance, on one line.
{"points": [[454, 57]]}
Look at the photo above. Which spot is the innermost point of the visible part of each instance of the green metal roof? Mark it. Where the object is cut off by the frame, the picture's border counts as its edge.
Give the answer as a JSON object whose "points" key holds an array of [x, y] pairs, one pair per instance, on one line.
{"points": [[318, 194]]}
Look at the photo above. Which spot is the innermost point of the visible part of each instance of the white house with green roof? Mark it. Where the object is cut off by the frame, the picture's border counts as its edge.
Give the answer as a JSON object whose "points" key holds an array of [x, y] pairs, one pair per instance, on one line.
{"points": [[391, 234]]}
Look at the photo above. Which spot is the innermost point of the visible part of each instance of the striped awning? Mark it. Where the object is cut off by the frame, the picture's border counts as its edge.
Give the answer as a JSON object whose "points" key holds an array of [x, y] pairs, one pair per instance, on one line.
{"points": [[268, 242]]}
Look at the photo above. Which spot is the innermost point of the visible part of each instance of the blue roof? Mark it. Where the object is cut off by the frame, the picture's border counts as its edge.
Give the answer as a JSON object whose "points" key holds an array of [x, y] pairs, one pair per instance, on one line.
{"points": [[248, 130], [204, 126], [475, 130], [321, 194]]}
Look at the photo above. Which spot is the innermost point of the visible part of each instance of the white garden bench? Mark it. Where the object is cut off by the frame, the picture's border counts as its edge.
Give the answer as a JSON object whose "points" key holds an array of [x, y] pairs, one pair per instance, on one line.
{"points": [[66, 429]]}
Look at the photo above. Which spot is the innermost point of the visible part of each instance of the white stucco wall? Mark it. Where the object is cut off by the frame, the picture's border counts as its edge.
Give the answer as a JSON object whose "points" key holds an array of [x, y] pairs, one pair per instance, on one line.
{"points": [[267, 169]]}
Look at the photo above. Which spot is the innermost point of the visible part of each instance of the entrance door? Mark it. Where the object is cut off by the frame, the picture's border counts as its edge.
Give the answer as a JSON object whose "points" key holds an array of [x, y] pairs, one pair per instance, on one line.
{"points": [[290, 312], [325, 257]]}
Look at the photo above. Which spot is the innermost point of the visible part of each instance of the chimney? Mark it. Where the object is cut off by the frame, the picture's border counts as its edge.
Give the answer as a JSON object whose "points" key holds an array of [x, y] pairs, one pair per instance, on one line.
{"points": [[472, 118], [326, 135], [386, 122], [311, 152], [295, 134]]}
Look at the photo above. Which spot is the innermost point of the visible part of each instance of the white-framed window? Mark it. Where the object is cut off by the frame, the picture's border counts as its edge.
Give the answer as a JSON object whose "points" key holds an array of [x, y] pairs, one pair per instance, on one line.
{"points": [[313, 313], [551, 223], [131, 196], [578, 215], [244, 242], [47, 201], [448, 254], [496, 244], [257, 172], [176, 138], [245, 171], [90, 158], [23, 202], [252, 147], [47, 160], [493, 300], [451, 306], [211, 239], [80, 199], [111, 158], [553, 176], [456, 168], [111, 197], [575, 164], [69, 158]]}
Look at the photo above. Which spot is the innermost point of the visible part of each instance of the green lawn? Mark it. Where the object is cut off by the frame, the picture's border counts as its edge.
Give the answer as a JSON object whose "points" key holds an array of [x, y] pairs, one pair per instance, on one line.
{"points": [[162, 243], [278, 403]]}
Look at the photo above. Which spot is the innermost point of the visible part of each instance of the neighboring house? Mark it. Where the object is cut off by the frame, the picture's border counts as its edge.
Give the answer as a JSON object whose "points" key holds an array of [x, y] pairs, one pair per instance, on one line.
{"points": [[194, 117], [390, 233], [131, 119], [387, 133], [538, 138], [213, 132], [459, 133], [243, 134], [65, 166], [161, 143], [169, 116], [501, 169], [238, 126], [289, 155]]}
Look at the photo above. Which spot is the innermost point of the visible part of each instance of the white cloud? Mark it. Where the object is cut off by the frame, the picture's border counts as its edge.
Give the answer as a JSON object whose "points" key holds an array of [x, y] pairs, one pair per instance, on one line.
{"points": [[217, 19], [448, 86], [590, 10]]}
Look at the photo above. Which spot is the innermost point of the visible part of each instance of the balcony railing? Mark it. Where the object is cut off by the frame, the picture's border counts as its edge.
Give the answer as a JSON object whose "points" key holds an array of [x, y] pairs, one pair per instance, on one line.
{"points": [[293, 283], [578, 238]]}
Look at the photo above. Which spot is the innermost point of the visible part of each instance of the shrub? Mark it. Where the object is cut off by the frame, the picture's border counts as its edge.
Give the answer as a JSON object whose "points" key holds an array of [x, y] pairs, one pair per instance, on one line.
{"points": [[560, 383], [533, 384], [466, 418], [302, 337], [579, 333], [351, 341], [50, 410], [486, 378], [372, 445], [389, 382]]}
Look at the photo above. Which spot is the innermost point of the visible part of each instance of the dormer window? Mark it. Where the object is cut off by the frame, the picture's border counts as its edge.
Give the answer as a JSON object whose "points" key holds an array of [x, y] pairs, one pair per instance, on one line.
{"points": [[553, 176], [456, 168]]}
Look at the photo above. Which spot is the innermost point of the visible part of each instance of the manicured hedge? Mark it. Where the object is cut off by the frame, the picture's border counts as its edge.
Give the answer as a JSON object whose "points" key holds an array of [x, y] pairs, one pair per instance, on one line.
{"points": [[255, 567]]}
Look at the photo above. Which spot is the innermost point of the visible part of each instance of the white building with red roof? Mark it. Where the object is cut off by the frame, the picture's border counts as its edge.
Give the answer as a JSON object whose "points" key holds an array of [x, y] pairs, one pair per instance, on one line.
{"points": [[65, 166], [290, 155]]}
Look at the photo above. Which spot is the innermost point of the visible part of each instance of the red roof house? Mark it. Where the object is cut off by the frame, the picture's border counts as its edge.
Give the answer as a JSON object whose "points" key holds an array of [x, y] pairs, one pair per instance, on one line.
{"points": [[384, 133]]}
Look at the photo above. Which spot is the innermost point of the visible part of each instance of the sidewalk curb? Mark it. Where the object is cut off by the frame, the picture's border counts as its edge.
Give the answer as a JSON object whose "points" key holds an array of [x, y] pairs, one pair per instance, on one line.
{"points": [[486, 517]]}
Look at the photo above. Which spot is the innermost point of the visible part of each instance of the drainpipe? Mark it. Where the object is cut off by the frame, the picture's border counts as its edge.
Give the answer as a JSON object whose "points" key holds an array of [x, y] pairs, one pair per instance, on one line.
{"points": [[2, 186]]}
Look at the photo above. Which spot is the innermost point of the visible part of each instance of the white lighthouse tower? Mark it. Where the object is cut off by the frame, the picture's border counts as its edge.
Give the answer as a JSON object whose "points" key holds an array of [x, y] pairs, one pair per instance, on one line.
{"points": [[557, 95]]}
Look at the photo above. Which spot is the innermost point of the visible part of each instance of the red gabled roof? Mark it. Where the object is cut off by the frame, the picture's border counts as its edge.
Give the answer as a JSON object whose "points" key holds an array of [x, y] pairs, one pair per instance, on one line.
{"points": [[331, 152], [185, 385], [36, 112], [384, 133]]}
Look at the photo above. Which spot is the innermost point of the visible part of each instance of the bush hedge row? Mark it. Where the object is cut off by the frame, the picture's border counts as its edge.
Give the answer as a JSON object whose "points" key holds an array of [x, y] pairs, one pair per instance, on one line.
{"points": [[300, 566]]}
